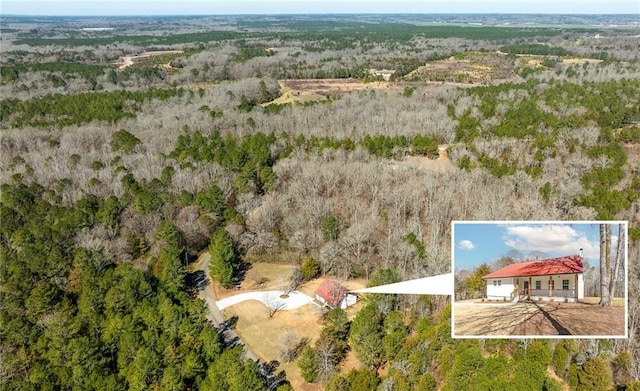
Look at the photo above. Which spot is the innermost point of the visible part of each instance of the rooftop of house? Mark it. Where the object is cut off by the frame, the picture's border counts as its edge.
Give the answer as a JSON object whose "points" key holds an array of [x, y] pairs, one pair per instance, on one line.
{"points": [[331, 292], [562, 265]]}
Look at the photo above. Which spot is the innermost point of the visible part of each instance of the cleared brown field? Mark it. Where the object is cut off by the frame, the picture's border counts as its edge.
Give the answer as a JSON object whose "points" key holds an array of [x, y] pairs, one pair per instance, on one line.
{"points": [[539, 319], [308, 90]]}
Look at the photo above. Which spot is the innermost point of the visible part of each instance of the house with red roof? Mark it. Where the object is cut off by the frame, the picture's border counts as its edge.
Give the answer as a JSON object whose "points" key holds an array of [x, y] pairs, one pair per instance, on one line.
{"points": [[555, 279], [333, 295]]}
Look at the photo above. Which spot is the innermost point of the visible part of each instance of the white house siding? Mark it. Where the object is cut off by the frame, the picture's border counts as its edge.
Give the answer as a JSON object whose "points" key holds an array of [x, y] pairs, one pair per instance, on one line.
{"points": [[558, 292], [508, 285], [499, 292], [349, 300]]}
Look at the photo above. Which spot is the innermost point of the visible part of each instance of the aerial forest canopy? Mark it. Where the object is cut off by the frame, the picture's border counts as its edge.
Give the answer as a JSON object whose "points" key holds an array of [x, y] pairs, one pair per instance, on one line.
{"points": [[339, 146]]}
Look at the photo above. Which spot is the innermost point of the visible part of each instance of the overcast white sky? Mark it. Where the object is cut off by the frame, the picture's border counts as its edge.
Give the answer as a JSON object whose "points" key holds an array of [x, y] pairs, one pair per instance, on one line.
{"points": [[191, 7]]}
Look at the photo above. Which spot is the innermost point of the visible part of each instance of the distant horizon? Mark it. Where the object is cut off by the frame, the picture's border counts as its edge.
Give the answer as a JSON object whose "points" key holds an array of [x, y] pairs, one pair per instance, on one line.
{"points": [[303, 14], [115, 8]]}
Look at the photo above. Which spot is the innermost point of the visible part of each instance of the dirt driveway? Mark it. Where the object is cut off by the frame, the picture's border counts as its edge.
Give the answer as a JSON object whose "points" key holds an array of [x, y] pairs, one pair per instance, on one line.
{"points": [[536, 318]]}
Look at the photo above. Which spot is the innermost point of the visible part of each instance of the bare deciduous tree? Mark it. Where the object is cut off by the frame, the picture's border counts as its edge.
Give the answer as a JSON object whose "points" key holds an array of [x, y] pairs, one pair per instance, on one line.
{"points": [[605, 264], [326, 356], [295, 280], [292, 345], [273, 303], [618, 262]]}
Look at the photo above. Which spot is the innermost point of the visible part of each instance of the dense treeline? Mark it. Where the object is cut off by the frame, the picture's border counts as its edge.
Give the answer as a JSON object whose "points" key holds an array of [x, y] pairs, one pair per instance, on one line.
{"points": [[11, 72], [527, 110], [341, 37], [251, 157], [74, 317], [538, 49], [142, 40], [65, 110], [254, 151]]}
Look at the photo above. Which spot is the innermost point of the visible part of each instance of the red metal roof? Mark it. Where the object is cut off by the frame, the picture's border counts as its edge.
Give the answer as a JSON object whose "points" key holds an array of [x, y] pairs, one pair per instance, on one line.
{"points": [[563, 265], [331, 292]]}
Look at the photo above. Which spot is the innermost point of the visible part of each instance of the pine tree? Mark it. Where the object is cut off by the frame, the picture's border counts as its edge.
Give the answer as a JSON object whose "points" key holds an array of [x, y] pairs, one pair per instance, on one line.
{"points": [[308, 365], [366, 335], [224, 262]]}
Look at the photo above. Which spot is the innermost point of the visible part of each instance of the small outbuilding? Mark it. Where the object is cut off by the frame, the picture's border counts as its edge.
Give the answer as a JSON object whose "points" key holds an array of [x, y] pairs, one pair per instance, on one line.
{"points": [[555, 279], [333, 295]]}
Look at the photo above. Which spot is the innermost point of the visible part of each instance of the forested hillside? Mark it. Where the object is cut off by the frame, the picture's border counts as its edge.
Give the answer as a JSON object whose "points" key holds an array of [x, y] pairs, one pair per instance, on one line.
{"points": [[116, 177]]}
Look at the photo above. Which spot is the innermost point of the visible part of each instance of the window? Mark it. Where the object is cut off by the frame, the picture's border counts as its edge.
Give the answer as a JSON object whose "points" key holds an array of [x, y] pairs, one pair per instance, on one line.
{"points": [[495, 283], [565, 285], [499, 282], [538, 284]]}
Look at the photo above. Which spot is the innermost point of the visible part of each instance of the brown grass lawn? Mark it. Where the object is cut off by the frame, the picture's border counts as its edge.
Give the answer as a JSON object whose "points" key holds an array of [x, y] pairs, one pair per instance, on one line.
{"points": [[290, 95], [264, 335], [276, 276], [539, 318]]}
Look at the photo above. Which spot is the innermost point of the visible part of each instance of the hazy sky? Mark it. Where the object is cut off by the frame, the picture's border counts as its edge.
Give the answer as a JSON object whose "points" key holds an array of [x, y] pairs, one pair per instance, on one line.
{"points": [[479, 243], [191, 7]]}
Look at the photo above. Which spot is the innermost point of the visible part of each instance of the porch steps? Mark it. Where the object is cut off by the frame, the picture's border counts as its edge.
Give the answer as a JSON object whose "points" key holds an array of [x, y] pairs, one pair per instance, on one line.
{"points": [[518, 298]]}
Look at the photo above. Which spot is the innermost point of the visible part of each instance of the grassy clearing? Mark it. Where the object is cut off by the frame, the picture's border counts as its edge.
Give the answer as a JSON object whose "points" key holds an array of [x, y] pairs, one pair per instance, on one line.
{"points": [[265, 336], [267, 276], [290, 95]]}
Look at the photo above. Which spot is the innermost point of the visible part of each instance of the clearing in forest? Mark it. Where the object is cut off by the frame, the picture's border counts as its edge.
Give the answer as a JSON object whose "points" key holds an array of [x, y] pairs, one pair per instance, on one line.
{"points": [[466, 68], [307, 90], [128, 61], [585, 318], [266, 336], [441, 164]]}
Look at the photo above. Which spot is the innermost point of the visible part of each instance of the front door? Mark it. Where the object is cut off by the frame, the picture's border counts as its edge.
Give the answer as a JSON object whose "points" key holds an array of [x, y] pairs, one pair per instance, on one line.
{"points": [[526, 287]]}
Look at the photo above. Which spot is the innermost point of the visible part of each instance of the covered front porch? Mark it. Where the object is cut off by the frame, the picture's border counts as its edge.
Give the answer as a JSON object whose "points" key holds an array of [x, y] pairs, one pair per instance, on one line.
{"points": [[561, 287]]}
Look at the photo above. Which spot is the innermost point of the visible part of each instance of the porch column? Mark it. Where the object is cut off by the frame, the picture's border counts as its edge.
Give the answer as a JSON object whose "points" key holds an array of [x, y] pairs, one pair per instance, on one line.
{"points": [[575, 287], [550, 286], [529, 293]]}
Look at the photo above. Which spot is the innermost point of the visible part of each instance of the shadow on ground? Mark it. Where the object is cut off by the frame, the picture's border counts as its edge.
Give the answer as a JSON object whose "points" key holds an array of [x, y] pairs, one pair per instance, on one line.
{"points": [[534, 318]]}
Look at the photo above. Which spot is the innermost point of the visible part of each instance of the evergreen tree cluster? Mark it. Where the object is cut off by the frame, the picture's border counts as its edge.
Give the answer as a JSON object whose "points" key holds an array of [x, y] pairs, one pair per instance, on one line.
{"points": [[75, 318]]}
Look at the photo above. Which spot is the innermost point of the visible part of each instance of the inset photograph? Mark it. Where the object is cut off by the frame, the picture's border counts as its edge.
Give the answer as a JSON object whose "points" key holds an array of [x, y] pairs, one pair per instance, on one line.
{"points": [[561, 279]]}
